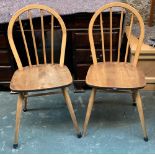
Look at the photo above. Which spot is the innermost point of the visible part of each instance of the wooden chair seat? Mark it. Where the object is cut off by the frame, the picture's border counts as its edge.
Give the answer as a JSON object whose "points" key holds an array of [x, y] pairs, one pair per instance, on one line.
{"points": [[41, 77], [115, 75]]}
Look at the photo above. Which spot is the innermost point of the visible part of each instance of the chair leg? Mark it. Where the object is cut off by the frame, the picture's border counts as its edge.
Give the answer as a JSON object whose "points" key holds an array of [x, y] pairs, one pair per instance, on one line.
{"points": [[89, 109], [71, 110], [134, 98], [25, 102], [18, 114], [141, 114]]}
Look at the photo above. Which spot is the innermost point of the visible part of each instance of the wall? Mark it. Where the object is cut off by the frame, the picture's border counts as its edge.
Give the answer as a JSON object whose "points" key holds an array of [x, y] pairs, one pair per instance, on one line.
{"points": [[143, 6]]}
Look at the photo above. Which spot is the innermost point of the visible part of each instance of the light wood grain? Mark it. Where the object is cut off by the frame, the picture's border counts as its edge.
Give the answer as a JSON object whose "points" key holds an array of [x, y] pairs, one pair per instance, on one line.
{"points": [[106, 7], [70, 108], [40, 7], [115, 75], [25, 43], [102, 36], [141, 114], [52, 39], [21, 85], [89, 109], [46, 77], [129, 37], [120, 36], [118, 75], [40, 76], [33, 37], [18, 115], [43, 36], [111, 34]]}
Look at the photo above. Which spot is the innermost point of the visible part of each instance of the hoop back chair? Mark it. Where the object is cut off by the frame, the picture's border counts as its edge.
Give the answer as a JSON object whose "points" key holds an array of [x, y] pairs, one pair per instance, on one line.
{"points": [[115, 75], [39, 76]]}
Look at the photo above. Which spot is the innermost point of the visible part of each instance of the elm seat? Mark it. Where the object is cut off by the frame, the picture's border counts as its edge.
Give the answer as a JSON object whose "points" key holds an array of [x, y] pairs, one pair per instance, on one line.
{"points": [[40, 77], [115, 75]]}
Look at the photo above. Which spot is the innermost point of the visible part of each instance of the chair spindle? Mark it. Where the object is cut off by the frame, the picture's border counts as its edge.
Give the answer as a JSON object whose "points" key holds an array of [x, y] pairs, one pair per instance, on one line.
{"points": [[129, 37], [52, 39], [102, 37], [120, 36], [24, 40], [110, 34], [43, 36], [33, 37]]}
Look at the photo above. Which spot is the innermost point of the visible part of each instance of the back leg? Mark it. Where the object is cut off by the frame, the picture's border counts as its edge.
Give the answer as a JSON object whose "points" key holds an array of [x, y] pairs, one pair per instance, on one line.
{"points": [[134, 98], [141, 114], [25, 102]]}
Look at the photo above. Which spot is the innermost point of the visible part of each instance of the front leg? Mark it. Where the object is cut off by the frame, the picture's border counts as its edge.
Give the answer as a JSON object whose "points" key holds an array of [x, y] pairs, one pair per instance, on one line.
{"points": [[18, 115], [71, 110]]}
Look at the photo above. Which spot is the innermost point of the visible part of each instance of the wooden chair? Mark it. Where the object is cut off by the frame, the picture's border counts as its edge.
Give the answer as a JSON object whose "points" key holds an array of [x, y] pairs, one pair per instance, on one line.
{"points": [[112, 75], [39, 77]]}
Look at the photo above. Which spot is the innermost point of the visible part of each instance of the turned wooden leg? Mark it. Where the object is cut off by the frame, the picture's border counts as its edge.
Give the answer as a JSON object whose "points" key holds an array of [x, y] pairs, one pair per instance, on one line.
{"points": [[134, 98], [71, 110], [18, 114], [89, 109], [141, 114], [25, 102]]}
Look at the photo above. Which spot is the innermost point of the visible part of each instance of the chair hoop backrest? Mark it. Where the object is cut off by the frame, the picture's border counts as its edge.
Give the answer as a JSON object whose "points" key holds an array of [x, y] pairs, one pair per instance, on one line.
{"points": [[42, 8], [99, 12]]}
